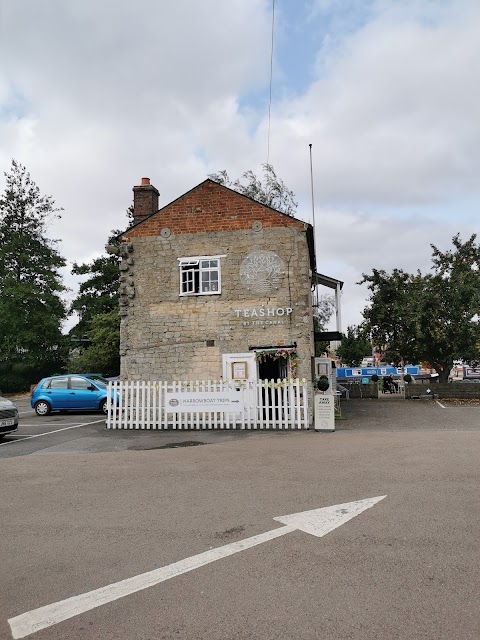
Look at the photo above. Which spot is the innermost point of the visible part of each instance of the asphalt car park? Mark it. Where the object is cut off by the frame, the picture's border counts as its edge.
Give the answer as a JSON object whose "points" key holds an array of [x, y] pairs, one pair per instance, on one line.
{"points": [[85, 431], [85, 509], [31, 426]]}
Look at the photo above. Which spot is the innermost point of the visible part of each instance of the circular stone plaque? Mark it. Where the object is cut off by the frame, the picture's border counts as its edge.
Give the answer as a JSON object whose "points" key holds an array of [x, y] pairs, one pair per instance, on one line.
{"points": [[261, 272]]}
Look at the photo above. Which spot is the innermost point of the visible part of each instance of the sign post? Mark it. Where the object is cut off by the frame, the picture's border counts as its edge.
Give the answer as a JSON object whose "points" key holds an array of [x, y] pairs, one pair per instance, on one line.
{"points": [[324, 410]]}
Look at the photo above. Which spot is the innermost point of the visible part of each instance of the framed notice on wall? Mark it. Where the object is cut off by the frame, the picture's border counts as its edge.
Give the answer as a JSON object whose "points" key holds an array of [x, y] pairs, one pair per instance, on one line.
{"points": [[322, 369], [239, 371]]}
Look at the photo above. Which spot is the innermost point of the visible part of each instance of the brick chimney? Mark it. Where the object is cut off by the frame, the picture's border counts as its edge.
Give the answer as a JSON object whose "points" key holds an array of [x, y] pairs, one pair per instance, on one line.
{"points": [[145, 200]]}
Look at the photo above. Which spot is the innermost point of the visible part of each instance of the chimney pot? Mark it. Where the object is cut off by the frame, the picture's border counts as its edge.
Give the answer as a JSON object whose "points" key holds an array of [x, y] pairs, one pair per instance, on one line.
{"points": [[145, 181]]}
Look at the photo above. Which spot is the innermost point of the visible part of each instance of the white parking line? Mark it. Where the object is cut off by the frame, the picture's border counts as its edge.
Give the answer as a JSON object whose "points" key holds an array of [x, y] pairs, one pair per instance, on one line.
{"points": [[440, 404], [75, 426], [48, 424]]}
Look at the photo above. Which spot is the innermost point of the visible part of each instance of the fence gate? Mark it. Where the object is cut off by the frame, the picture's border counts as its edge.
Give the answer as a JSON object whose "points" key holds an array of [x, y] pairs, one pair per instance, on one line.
{"points": [[268, 404]]}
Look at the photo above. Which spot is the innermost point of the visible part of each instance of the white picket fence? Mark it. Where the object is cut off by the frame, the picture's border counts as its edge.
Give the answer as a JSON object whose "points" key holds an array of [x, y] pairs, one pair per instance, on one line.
{"points": [[268, 404]]}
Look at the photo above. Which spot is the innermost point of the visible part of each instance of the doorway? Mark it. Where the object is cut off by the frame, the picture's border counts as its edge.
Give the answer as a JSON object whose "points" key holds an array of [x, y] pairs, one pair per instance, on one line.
{"points": [[270, 369]]}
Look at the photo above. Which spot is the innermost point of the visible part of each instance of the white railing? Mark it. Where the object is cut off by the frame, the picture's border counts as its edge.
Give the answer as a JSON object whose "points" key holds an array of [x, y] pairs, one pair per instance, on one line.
{"points": [[268, 404]]}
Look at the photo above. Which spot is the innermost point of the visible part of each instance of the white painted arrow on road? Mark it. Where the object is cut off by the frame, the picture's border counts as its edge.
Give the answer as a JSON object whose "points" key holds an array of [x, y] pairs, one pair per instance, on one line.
{"points": [[318, 522]]}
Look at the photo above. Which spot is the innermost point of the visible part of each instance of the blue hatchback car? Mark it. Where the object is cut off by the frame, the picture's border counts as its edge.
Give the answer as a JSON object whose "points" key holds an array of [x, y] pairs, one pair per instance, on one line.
{"points": [[73, 392]]}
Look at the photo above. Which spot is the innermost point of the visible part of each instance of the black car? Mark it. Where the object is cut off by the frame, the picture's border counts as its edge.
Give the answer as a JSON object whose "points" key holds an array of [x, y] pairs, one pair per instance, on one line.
{"points": [[8, 417]]}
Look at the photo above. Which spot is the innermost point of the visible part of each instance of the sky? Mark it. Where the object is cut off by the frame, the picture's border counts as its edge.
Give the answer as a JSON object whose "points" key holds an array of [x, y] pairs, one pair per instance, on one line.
{"points": [[96, 95]]}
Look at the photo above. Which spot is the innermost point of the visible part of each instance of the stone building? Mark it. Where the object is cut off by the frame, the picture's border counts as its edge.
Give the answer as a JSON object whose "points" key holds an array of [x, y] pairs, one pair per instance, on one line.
{"points": [[215, 285]]}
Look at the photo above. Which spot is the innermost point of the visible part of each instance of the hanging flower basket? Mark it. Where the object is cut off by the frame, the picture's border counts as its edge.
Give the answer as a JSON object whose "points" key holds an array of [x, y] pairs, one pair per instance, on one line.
{"points": [[276, 354]]}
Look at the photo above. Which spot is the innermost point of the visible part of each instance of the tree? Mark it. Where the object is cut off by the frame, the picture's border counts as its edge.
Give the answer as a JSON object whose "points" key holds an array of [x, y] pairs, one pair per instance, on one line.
{"points": [[322, 312], [271, 191], [432, 318], [31, 307], [449, 325], [98, 294], [97, 307], [355, 346], [102, 356], [392, 317]]}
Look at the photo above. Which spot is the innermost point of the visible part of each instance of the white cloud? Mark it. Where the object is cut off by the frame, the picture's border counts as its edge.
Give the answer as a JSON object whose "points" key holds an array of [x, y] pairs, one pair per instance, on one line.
{"points": [[93, 96], [119, 90], [394, 120], [352, 243]]}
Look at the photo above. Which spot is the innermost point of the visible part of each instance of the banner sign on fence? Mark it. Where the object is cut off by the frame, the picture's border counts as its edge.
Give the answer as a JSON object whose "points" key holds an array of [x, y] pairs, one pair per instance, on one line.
{"points": [[185, 401]]}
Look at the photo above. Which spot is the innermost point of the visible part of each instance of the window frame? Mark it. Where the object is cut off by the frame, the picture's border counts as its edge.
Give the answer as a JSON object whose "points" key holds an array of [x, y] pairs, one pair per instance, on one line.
{"points": [[196, 261]]}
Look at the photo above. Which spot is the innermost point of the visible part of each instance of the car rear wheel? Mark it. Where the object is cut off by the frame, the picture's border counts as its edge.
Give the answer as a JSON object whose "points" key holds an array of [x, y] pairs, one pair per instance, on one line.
{"points": [[42, 408], [103, 406]]}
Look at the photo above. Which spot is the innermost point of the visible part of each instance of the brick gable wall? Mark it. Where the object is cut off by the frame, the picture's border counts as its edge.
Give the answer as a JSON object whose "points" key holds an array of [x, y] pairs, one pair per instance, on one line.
{"points": [[211, 208]]}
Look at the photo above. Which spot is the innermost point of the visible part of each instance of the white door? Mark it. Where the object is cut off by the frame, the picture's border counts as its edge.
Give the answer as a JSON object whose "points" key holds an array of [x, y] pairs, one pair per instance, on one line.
{"points": [[242, 370]]}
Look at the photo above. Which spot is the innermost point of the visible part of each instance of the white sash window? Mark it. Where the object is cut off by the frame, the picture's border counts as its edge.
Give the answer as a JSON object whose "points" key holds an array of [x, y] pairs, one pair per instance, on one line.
{"points": [[200, 276]]}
